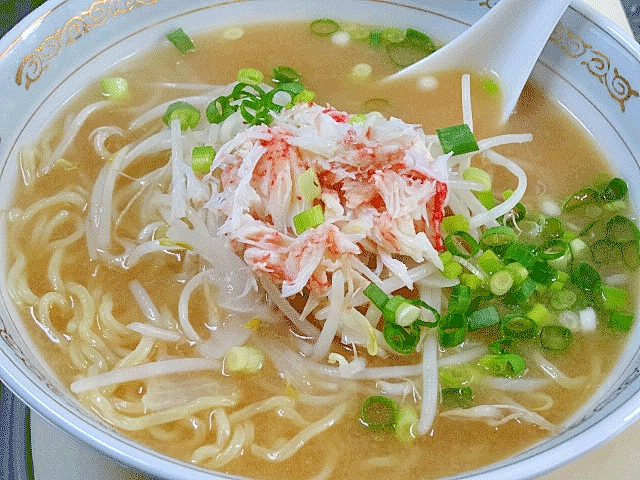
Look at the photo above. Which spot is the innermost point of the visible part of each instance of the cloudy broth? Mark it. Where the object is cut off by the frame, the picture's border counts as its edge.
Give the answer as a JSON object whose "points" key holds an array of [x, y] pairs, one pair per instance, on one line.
{"points": [[556, 166]]}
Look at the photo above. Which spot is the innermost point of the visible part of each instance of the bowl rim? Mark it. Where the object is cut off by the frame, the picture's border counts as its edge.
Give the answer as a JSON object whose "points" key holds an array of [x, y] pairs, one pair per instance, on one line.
{"points": [[140, 457]]}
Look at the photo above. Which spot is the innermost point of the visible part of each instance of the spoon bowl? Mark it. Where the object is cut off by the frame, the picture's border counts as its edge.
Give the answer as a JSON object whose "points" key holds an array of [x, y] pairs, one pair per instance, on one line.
{"points": [[506, 43]]}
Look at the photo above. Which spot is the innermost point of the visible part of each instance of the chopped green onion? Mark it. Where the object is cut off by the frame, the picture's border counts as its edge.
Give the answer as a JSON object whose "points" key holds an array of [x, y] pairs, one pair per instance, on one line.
{"points": [[250, 76], [406, 422], [374, 293], [456, 397], [500, 282], [374, 38], [486, 199], [457, 139], [504, 364], [563, 300], [452, 270], [219, 110], [455, 223], [586, 278], [622, 230], [324, 27], [518, 272], [538, 313], [523, 253], [202, 158], [555, 337], [452, 330], [188, 115], [543, 273], [490, 262], [293, 88], [375, 104], [491, 87], [305, 96], [406, 314], [470, 280], [461, 244], [393, 35], [522, 294], [390, 307], [460, 299], [309, 185], [310, 218], [631, 254], [446, 257], [181, 41], [485, 317], [284, 74], [620, 321], [605, 251], [497, 238], [243, 359], [115, 88], [518, 326], [612, 298], [400, 339], [615, 190], [581, 198], [556, 251], [415, 46], [477, 175], [500, 346], [357, 119], [379, 413]]}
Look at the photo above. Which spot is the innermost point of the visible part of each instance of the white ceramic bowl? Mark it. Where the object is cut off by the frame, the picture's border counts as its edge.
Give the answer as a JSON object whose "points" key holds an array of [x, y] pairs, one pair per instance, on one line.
{"points": [[589, 65]]}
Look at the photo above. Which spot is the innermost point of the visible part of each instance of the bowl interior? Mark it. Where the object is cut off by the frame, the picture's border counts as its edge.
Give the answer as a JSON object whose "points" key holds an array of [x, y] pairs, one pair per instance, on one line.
{"points": [[588, 66]]}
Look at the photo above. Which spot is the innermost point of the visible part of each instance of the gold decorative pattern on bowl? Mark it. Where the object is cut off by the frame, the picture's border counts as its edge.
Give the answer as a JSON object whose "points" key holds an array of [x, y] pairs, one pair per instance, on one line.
{"points": [[598, 65], [34, 64]]}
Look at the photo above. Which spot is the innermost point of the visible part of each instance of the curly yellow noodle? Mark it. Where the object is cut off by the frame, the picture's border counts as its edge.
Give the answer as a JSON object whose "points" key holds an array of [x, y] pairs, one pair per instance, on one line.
{"points": [[71, 238], [98, 402], [223, 434], [28, 167], [262, 406], [141, 354], [232, 451], [297, 442], [42, 313], [111, 325], [61, 198], [127, 407], [54, 273], [76, 357], [17, 286]]}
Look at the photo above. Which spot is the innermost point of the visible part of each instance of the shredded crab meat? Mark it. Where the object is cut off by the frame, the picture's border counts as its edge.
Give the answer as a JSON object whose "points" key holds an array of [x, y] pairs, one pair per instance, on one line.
{"points": [[384, 194]]}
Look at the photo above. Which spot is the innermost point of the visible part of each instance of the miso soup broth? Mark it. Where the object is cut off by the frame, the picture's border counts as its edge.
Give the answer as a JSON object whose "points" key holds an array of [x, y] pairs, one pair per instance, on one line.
{"points": [[236, 385]]}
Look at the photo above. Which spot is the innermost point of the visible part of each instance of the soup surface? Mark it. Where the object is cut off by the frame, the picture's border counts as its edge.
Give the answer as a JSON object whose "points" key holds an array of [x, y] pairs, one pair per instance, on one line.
{"points": [[287, 419]]}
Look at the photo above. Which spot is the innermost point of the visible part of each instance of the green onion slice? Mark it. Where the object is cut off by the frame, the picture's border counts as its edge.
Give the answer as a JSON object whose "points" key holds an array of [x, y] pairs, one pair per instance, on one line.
{"points": [[612, 298], [477, 175], [555, 337], [324, 27], [202, 158], [543, 273], [522, 294], [379, 413], [375, 36], [460, 299], [563, 300], [310, 218], [452, 330], [622, 230], [586, 196], [461, 244], [519, 326], [115, 88], [484, 317], [497, 237], [400, 339], [457, 139], [181, 41], [615, 190], [188, 115], [554, 249], [374, 293], [504, 364], [501, 282], [631, 254], [552, 228], [251, 76], [309, 185], [220, 109], [456, 397], [523, 253], [393, 35], [285, 74], [620, 321], [500, 346], [586, 278], [605, 251]]}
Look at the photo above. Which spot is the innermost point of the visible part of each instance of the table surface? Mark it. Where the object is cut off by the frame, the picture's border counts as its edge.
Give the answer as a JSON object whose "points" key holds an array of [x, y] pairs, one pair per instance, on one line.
{"points": [[57, 456]]}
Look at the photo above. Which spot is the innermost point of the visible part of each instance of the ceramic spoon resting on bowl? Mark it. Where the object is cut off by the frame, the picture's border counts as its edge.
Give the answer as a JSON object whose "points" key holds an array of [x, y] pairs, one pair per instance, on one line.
{"points": [[506, 41]]}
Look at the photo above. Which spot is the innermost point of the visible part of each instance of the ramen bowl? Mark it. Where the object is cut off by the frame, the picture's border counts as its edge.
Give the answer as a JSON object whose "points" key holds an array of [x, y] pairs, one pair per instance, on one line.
{"points": [[589, 67]]}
